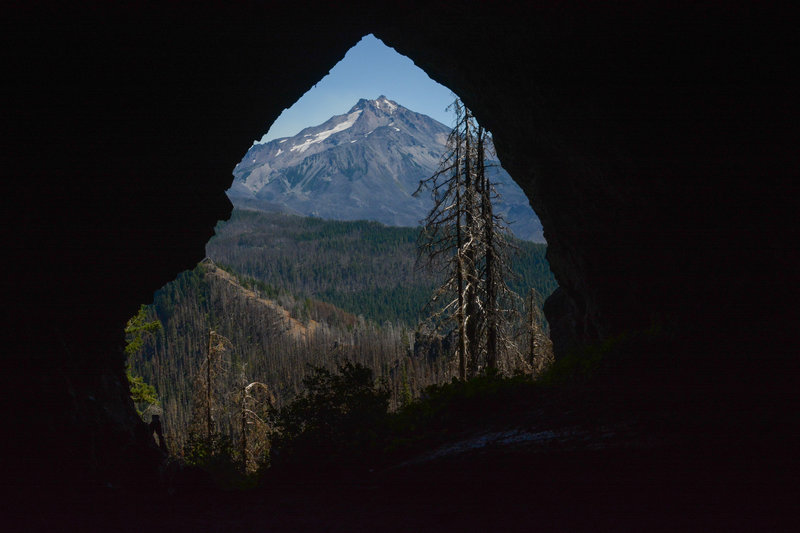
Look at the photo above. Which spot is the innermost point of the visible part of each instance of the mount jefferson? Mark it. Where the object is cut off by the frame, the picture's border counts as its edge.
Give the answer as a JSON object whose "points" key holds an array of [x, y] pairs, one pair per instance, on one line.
{"points": [[363, 165]]}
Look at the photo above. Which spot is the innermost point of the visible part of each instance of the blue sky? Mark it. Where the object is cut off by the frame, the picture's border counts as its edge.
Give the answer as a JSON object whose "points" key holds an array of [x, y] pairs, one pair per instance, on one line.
{"points": [[368, 70]]}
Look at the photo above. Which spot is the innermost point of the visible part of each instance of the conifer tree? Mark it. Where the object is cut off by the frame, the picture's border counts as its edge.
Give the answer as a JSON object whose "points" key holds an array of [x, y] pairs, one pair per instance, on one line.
{"points": [[143, 394]]}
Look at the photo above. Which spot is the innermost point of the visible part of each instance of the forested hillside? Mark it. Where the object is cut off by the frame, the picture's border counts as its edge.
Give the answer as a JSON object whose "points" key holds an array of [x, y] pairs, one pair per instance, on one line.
{"points": [[289, 292], [365, 268], [268, 343]]}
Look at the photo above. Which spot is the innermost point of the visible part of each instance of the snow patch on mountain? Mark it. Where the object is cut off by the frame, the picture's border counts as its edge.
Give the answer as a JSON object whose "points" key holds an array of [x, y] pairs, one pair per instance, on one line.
{"points": [[382, 102], [321, 136]]}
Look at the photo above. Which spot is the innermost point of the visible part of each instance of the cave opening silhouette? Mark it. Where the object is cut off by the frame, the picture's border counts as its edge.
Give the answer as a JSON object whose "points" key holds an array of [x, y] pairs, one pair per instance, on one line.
{"points": [[657, 145]]}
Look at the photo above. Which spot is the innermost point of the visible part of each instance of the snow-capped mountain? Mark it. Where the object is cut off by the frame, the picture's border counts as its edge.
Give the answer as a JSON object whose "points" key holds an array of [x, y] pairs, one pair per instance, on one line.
{"points": [[363, 165]]}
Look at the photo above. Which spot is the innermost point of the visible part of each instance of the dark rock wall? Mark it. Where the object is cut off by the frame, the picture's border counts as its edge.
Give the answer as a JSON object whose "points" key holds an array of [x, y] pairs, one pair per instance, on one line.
{"points": [[657, 145]]}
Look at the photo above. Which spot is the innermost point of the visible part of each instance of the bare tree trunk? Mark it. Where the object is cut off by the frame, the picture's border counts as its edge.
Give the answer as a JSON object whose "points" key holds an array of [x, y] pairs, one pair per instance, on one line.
{"points": [[462, 337], [208, 384], [491, 310], [244, 427], [471, 295], [532, 325]]}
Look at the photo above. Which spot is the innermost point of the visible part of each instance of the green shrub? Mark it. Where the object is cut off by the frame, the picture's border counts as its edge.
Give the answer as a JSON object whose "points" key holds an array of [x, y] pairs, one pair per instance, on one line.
{"points": [[215, 455], [581, 364], [621, 353], [339, 419], [446, 409]]}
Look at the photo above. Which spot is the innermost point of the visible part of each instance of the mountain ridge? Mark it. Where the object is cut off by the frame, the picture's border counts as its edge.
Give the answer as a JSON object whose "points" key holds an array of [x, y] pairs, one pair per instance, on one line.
{"points": [[362, 165]]}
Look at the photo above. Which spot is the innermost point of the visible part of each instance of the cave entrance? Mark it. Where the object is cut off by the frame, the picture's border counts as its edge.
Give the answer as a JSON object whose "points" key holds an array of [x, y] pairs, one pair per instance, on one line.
{"points": [[317, 263]]}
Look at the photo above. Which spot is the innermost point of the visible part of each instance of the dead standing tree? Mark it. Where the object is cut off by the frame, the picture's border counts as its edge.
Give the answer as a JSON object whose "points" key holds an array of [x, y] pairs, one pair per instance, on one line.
{"points": [[463, 238], [210, 388], [499, 301], [443, 239], [540, 347], [255, 401]]}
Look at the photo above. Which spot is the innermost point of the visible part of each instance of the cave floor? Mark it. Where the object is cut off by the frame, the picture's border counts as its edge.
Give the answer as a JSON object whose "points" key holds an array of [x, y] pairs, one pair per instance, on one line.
{"points": [[520, 484]]}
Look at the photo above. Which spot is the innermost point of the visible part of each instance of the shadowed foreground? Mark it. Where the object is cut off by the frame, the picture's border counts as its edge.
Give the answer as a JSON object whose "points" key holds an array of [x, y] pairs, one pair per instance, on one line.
{"points": [[544, 461], [517, 490]]}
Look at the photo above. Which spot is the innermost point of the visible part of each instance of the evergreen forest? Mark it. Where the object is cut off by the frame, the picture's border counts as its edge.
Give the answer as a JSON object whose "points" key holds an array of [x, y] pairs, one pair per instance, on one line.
{"points": [[280, 297]]}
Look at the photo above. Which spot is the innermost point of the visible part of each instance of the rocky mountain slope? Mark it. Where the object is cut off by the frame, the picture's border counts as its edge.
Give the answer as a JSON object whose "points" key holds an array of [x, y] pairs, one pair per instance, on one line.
{"points": [[363, 165]]}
